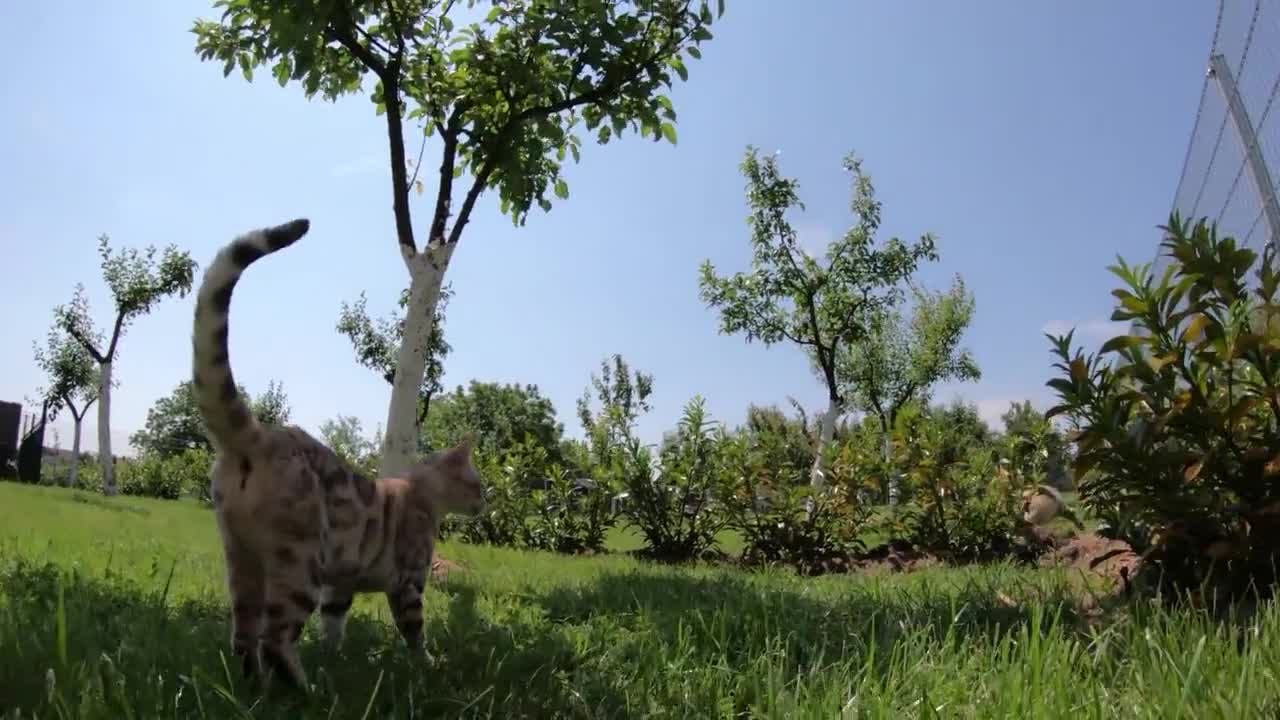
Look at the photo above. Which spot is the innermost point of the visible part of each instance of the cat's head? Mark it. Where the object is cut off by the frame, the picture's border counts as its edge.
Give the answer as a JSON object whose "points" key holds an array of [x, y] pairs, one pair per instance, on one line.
{"points": [[449, 480]]}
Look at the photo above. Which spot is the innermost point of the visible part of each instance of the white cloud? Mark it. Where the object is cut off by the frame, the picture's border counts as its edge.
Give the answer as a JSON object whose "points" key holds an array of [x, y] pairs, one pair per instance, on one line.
{"points": [[1093, 331]]}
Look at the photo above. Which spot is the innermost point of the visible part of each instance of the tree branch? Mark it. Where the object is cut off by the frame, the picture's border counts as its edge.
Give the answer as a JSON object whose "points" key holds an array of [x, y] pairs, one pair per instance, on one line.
{"points": [[399, 29], [787, 334], [602, 90], [115, 336], [444, 193], [477, 187], [361, 53], [373, 42], [422, 149], [84, 342]]}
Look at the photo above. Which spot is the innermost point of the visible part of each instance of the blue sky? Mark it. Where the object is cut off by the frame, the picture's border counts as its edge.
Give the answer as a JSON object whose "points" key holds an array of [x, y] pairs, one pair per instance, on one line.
{"points": [[1036, 140]]}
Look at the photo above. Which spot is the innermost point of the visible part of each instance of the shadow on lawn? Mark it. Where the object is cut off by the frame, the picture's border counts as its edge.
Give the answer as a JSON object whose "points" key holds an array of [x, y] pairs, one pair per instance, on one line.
{"points": [[128, 652], [731, 619]]}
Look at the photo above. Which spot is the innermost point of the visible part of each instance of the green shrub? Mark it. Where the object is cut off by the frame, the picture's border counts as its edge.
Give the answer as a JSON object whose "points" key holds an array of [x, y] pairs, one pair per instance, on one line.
{"points": [[147, 476], [782, 519], [167, 478], [1178, 449], [191, 470], [570, 515], [675, 508], [507, 504], [959, 502]]}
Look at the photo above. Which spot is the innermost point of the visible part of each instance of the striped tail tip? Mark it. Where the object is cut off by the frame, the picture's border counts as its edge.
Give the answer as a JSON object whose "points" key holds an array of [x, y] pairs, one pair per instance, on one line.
{"points": [[282, 236]]}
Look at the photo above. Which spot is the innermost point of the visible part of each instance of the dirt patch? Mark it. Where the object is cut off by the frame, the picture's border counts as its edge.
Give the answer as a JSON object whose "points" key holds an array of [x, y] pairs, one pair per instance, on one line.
{"points": [[892, 557], [440, 568], [1113, 559]]}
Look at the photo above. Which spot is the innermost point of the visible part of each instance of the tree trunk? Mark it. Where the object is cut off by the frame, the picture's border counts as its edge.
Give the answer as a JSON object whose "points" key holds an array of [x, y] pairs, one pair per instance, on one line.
{"points": [[817, 476], [104, 432], [73, 477], [891, 473], [400, 439]]}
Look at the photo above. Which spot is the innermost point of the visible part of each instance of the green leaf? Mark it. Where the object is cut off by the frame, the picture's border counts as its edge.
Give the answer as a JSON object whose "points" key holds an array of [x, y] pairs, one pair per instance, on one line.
{"points": [[694, 52], [1120, 342], [669, 132], [679, 67], [562, 189]]}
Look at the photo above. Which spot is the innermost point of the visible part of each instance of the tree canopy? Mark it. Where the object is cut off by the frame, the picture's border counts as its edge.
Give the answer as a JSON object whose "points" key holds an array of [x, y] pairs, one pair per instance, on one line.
{"points": [[820, 304], [173, 423], [71, 372], [504, 92], [898, 360], [497, 416], [137, 284]]}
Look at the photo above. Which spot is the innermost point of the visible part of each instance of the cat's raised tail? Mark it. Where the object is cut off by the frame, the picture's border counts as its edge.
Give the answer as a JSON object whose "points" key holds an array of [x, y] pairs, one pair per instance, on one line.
{"points": [[228, 420]]}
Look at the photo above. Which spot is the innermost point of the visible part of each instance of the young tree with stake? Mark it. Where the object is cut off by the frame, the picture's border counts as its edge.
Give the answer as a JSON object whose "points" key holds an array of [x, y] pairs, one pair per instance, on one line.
{"points": [[73, 384], [895, 362], [822, 305], [137, 285], [504, 94]]}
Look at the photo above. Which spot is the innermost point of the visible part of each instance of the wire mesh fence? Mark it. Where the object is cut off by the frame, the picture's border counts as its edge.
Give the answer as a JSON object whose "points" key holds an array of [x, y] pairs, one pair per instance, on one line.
{"points": [[1234, 151]]}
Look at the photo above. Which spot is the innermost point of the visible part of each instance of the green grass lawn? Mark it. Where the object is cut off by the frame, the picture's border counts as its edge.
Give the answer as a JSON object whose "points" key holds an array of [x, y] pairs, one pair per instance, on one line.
{"points": [[116, 609]]}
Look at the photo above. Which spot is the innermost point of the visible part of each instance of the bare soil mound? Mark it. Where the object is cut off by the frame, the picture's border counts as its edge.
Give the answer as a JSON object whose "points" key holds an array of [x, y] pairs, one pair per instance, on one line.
{"points": [[1113, 559], [440, 568]]}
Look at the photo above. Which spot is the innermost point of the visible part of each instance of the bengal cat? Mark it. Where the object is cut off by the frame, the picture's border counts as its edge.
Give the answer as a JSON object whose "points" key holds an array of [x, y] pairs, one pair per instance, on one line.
{"points": [[300, 528]]}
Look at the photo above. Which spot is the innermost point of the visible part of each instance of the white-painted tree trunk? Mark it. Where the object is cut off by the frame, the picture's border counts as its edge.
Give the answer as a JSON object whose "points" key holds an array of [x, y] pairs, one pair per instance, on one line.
{"points": [[818, 476], [73, 476], [890, 470], [400, 440], [104, 432]]}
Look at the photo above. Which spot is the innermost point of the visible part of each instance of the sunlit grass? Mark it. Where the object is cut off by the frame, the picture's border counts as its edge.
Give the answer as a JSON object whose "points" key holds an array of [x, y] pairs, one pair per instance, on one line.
{"points": [[115, 609]]}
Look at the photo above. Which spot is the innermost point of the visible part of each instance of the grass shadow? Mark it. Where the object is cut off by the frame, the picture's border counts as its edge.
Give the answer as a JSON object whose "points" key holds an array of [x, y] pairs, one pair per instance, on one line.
{"points": [[105, 645], [735, 619], [102, 503]]}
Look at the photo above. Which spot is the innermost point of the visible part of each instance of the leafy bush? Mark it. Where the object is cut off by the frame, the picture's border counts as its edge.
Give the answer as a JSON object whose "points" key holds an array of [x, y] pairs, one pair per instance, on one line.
{"points": [[570, 515], [54, 472], [1033, 450], [507, 504], [146, 476], [192, 469], [675, 508], [168, 478], [1178, 448], [959, 502], [782, 519]]}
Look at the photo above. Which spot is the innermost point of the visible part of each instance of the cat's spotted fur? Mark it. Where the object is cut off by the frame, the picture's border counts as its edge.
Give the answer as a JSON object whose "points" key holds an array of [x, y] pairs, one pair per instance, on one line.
{"points": [[300, 528]]}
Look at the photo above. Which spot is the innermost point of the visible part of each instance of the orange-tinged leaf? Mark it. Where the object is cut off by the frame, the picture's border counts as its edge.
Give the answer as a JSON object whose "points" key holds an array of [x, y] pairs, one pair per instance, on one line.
{"points": [[1192, 471], [1078, 370], [1242, 408], [1195, 328], [1272, 467]]}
